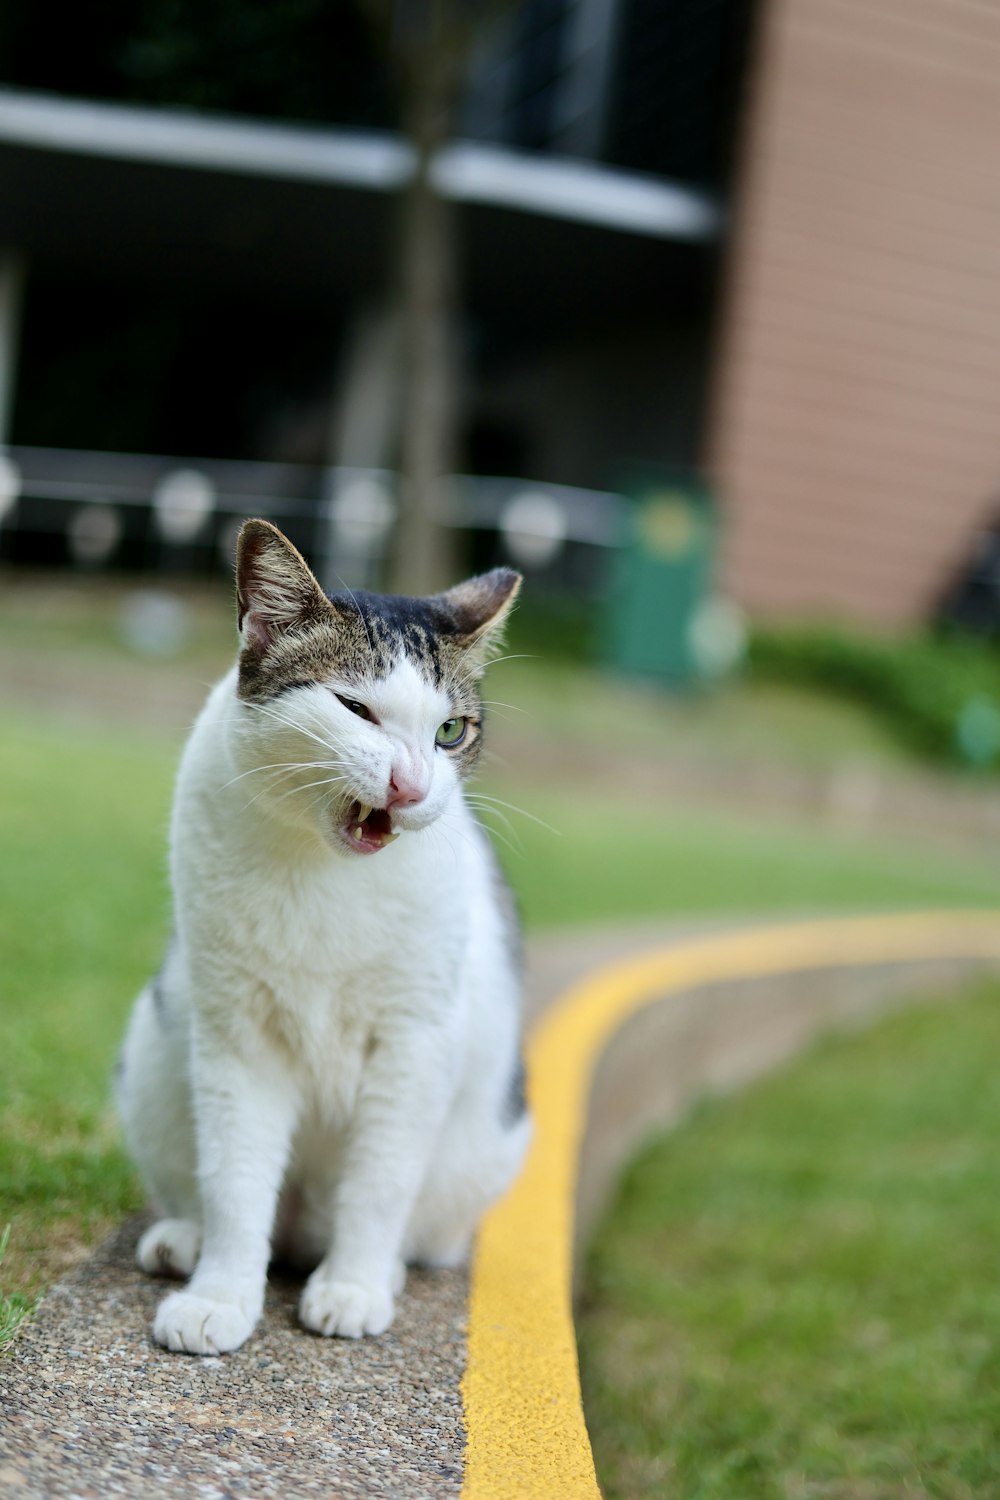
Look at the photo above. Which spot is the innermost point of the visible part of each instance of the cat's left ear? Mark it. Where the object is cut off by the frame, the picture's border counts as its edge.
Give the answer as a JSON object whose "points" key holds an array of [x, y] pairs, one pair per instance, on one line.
{"points": [[477, 610], [275, 588]]}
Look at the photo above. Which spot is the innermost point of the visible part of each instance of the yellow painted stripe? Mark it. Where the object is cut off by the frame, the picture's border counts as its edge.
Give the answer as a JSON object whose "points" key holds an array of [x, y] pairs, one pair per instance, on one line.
{"points": [[525, 1430]]}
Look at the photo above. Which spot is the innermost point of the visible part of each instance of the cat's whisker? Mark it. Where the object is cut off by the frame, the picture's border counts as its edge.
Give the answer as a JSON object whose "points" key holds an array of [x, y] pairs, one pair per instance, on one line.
{"points": [[357, 606], [482, 812], [498, 703], [252, 800], [277, 776], [446, 834], [495, 714], [299, 727], [270, 712], [494, 757], [439, 833], [449, 819], [324, 781], [512, 807], [278, 765], [315, 801], [515, 656], [295, 726], [515, 848], [494, 812], [269, 787]]}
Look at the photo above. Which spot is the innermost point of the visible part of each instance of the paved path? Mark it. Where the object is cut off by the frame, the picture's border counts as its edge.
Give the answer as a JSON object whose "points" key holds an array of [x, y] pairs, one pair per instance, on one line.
{"points": [[468, 1388], [91, 1407]]}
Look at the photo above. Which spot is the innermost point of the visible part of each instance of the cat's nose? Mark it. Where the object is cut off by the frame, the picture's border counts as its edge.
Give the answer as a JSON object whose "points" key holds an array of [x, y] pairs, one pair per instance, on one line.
{"points": [[404, 791]]}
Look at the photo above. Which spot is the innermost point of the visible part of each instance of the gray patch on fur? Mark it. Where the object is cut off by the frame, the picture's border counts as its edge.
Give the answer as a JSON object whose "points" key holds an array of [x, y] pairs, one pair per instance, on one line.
{"points": [[515, 1103], [160, 1008], [158, 988]]}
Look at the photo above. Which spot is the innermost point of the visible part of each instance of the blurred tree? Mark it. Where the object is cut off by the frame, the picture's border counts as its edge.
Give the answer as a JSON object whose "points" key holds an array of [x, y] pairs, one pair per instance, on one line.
{"points": [[427, 46], [380, 63]]}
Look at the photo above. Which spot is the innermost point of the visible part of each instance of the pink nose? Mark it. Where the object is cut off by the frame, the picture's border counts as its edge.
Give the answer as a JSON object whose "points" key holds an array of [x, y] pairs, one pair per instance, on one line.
{"points": [[403, 792]]}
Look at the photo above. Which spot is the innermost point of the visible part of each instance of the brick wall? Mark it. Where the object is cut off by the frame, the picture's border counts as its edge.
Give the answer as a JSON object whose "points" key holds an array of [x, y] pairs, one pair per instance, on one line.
{"points": [[856, 426]]}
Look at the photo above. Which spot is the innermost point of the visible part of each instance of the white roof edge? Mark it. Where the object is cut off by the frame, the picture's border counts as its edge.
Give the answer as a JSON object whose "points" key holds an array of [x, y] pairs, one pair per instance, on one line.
{"points": [[465, 171], [177, 137], [566, 188]]}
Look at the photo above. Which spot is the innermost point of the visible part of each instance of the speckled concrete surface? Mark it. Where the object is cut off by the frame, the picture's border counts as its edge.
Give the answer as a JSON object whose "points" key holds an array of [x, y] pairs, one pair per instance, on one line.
{"points": [[90, 1407]]}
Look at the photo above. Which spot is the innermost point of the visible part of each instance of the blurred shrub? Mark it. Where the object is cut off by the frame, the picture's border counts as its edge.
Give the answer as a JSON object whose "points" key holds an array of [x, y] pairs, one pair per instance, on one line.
{"points": [[554, 627], [941, 693]]}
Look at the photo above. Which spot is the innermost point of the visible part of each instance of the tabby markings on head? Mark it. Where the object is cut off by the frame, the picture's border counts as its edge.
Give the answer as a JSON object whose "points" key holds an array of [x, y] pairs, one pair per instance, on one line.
{"points": [[295, 635]]}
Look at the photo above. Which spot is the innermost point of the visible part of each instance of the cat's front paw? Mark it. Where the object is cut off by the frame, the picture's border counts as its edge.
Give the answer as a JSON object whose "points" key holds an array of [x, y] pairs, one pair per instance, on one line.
{"points": [[189, 1324], [346, 1308]]}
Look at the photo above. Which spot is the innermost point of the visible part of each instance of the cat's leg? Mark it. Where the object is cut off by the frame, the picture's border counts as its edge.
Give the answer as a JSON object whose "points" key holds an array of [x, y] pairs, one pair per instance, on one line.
{"points": [[397, 1117], [170, 1248], [245, 1118], [154, 1104], [476, 1159], [484, 1138]]}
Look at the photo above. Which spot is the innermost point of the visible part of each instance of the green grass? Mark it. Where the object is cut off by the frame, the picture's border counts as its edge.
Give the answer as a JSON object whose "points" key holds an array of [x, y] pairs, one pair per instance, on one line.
{"points": [[599, 860], [795, 1294], [794, 1297], [76, 616], [13, 1308], [82, 877], [741, 721], [83, 892]]}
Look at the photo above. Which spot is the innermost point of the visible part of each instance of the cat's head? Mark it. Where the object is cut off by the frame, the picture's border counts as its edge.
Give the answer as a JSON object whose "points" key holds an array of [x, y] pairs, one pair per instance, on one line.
{"points": [[359, 713]]}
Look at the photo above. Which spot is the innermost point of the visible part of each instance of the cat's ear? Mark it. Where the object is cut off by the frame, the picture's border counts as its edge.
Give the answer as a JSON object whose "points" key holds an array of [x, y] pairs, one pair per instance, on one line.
{"points": [[476, 611], [275, 588]]}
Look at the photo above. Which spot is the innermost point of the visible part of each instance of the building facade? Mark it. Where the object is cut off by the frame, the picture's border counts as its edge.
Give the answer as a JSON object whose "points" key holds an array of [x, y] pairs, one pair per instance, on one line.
{"points": [[855, 435], [757, 240]]}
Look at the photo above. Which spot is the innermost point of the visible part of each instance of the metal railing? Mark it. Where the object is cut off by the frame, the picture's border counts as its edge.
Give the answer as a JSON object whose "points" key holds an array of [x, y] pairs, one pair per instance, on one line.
{"points": [[143, 512]]}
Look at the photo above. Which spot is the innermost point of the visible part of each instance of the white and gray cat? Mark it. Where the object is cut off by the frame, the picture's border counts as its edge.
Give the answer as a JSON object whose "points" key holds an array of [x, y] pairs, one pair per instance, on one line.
{"points": [[327, 1068]]}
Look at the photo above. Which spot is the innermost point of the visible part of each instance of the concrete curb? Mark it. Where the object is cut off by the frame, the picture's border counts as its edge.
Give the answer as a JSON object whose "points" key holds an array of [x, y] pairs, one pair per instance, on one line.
{"points": [[474, 1390], [707, 1013]]}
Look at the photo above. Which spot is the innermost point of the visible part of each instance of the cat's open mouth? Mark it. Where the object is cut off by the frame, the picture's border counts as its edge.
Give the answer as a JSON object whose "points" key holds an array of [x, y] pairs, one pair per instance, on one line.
{"points": [[367, 829]]}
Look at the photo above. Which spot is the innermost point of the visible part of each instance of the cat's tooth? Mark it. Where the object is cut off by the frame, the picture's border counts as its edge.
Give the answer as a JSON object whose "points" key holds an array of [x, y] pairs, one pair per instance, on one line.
{"points": [[359, 832], [363, 811], [389, 838]]}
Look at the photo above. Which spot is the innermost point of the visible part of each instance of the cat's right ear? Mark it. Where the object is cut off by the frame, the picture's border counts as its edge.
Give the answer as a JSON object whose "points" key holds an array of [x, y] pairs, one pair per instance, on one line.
{"points": [[275, 588]]}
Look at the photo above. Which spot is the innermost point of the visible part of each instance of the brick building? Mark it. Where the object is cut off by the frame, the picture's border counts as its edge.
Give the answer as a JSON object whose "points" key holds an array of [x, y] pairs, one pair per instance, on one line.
{"points": [[855, 432], [755, 237]]}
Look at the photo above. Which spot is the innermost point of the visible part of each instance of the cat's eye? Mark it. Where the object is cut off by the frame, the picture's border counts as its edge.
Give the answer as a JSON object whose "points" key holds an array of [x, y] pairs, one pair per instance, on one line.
{"points": [[451, 733], [355, 707]]}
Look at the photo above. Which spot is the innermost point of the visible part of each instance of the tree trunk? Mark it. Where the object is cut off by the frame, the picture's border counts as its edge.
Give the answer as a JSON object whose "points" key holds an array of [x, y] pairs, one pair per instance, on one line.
{"points": [[423, 551]]}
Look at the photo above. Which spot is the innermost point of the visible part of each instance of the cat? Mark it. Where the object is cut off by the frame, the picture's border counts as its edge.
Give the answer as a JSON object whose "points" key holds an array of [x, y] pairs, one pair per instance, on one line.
{"points": [[327, 1069]]}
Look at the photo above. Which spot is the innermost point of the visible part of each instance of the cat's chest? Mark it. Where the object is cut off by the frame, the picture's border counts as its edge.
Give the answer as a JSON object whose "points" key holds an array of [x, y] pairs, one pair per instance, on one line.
{"points": [[331, 974], [340, 948]]}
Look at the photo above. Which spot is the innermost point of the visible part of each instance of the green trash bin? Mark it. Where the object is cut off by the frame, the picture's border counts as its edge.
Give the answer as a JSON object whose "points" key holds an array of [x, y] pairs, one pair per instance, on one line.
{"points": [[660, 579]]}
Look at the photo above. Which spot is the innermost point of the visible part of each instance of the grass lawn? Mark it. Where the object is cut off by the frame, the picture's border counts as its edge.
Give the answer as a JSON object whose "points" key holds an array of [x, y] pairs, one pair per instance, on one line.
{"points": [[83, 893], [795, 1294], [588, 862], [82, 873]]}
